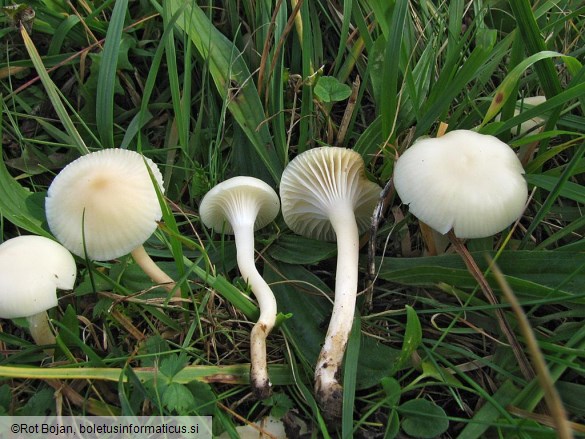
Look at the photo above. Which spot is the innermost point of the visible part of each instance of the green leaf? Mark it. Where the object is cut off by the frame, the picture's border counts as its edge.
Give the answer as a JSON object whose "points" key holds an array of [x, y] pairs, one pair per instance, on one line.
{"points": [[17, 204], [5, 398], [390, 88], [537, 274], [329, 89], [205, 400], [412, 338], [392, 390], [423, 418], [294, 249], [572, 396], [177, 397], [393, 426], [280, 404], [171, 365], [70, 321], [350, 371], [300, 292], [488, 414], [41, 403]]}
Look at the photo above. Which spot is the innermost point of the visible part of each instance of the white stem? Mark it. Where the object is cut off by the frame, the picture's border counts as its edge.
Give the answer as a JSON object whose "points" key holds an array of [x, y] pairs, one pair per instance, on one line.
{"points": [[153, 271], [41, 331], [327, 387], [244, 235]]}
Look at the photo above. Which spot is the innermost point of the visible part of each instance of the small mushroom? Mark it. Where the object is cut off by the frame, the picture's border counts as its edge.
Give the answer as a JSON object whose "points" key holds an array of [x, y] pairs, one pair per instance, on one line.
{"points": [[31, 270], [325, 195], [104, 204], [239, 206], [465, 181], [522, 105]]}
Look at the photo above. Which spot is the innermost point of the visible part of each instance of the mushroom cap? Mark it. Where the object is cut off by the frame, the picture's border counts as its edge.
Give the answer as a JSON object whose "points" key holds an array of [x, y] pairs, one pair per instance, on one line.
{"points": [[320, 180], [465, 181], [239, 200], [109, 197], [31, 270], [522, 105]]}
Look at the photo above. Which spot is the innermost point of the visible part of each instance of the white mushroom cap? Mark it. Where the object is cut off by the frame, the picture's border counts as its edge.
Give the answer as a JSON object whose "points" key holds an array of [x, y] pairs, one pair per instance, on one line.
{"points": [[114, 188], [522, 105], [239, 200], [465, 181], [31, 270], [320, 180]]}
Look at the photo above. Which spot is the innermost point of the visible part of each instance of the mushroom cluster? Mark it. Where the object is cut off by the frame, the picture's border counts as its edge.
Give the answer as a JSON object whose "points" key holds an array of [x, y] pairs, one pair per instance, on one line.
{"points": [[106, 204], [325, 195]]}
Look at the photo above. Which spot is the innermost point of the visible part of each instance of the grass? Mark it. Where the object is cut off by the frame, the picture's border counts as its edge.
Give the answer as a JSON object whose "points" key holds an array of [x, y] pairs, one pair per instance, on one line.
{"points": [[215, 89]]}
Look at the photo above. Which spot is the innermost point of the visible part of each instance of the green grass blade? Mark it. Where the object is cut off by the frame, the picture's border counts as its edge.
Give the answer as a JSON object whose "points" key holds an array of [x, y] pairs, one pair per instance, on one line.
{"points": [[350, 367], [181, 118], [508, 86], [236, 374], [534, 42], [53, 93], [233, 81], [442, 96], [391, 70], [554, 194], [107, 75]]}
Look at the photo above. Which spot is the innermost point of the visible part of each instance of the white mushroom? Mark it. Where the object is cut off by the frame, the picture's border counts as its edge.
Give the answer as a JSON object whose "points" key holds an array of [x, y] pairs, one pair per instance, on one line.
{"points": [[466, 185], [31, 270], [240, 206], [104, 204], [465, 181], [523, 105], [325, 195]]}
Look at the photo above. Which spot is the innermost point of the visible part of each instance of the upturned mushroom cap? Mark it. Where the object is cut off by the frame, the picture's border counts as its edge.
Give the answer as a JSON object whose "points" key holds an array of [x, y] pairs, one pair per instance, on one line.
{"points": [[31, 270], [111, 195], [317, 182], [465, 181], [237, 200]]}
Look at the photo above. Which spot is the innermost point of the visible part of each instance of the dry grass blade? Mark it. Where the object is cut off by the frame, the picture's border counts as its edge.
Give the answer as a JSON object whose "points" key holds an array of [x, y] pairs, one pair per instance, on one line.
{"points": [[551, 396], [523, 363]]}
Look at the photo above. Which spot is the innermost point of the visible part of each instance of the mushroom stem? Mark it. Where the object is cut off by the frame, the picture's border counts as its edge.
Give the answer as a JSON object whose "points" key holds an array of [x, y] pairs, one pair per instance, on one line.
{"points": [[153, 271], [327, 388], [244, 236], [40, 330]]}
